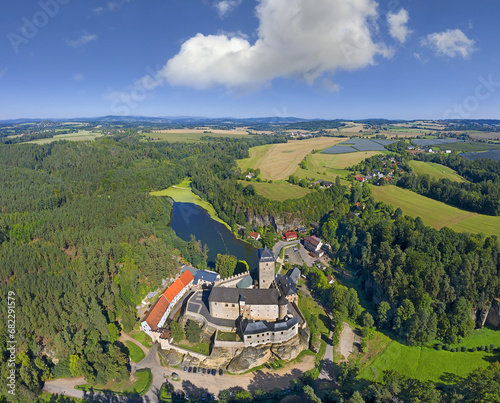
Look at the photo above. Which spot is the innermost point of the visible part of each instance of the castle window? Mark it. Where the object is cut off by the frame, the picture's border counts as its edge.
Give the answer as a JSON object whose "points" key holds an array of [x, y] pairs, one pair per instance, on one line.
{"points": [[227, 305], [281, 332], [249, 337], [232, 305]]}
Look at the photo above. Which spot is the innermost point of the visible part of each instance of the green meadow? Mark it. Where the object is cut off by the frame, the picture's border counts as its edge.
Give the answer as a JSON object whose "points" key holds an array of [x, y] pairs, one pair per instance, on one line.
{"points": [[429, 364], [436, 214], [435, 171]]}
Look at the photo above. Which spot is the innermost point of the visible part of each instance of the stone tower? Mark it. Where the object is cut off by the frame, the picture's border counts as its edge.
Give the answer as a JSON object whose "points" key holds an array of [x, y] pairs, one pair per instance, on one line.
{"points": [[266, 268]]}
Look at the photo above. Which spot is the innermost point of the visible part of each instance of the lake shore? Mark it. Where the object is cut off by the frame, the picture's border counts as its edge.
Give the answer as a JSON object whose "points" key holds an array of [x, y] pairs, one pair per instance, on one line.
{"points": [[182, 193]]}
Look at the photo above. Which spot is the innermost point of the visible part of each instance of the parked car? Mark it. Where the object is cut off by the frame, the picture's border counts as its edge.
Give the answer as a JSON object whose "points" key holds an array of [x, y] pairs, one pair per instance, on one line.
{"points": [[199, 369], [204, 370], [221, 371], [195, 370], [214, 397], [190, 369], [185, 368], [203, 396], [214, 372]]}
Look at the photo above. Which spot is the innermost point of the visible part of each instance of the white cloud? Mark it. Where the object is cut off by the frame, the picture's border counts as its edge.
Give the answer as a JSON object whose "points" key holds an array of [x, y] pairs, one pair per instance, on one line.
{"points": [[78, 76], [225, 7], [302, 39], [397, 25], [81, 40], [4, 72], [451, 43]]}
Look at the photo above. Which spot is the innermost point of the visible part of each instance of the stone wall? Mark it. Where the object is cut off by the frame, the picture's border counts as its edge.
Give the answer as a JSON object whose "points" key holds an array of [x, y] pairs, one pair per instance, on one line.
{"points": [[231, 282], [493, 317]]}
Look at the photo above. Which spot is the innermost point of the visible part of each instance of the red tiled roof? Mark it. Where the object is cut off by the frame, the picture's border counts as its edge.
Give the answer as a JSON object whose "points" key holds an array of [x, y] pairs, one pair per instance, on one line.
{"points": [[157, 312], [290, 234], [178, 285], [313, 240], [254, 235], [163, 302]]}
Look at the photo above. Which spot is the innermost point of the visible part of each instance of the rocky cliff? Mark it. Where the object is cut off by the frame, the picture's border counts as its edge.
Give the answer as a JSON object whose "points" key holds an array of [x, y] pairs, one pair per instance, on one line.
{"points": [[493, 317], [238, 360]]}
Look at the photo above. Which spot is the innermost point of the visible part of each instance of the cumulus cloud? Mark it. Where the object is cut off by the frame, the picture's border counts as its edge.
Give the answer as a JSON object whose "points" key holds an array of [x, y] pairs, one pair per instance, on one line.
{"points": [[81, 40], [303, 39], [225, 7], [397, 25], [451, 43]]}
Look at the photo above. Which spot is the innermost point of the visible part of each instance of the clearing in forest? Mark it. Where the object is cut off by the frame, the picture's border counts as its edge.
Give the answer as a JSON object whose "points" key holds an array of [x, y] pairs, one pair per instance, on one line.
{"points": [[436, 171], [435, 213]]}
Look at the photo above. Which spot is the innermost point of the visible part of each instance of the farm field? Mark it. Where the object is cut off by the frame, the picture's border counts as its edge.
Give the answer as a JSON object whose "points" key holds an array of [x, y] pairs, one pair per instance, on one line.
{"points": [[436, 171], [435, 213], [278, 191], [472, 146], [338, 161], [279, 161], [82, 135], [181, 193], [429, 364], [194, 135]]}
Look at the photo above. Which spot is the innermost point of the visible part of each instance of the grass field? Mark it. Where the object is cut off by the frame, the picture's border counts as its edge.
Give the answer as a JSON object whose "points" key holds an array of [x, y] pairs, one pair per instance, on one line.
{"points": [[82, 135], [435, 213], [134, 352], [470, 147], [193, 135], [203, 348], [338, 161], [181, 193], [140, 386], [279, 161], [142, 338], [436, 171], [279, 191], [429, 364]]}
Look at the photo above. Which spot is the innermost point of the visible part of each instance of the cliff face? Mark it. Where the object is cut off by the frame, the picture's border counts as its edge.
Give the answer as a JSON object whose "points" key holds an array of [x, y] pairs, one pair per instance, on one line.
{"points": [[493, 317], [280, 223], [238, 360]]}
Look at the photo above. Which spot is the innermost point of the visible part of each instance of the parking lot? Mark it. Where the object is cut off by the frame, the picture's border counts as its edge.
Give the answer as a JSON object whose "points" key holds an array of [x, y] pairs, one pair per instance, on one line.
{"points": [[294, 258]]}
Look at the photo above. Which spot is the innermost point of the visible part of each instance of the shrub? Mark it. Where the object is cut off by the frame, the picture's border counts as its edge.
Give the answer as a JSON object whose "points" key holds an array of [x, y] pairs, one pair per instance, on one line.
{"points": [[453, 350], [464, 349], [492, 346], [446, 347], [439, 346], [473, 349]]}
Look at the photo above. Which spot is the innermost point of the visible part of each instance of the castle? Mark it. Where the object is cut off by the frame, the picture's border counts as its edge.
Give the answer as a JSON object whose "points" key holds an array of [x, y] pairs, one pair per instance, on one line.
{"points": [[260, 306]]}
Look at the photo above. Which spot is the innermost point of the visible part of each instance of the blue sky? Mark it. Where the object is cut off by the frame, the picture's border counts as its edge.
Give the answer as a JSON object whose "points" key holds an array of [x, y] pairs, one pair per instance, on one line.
{"points": [[329, 59]]}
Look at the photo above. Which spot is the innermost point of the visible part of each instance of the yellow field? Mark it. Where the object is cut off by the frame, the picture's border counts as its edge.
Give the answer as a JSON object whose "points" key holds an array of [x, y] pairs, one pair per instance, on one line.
{"points": [[82, 135], [279, 161], [436, 171], [436, 214], [340, 161], [191, 135]]}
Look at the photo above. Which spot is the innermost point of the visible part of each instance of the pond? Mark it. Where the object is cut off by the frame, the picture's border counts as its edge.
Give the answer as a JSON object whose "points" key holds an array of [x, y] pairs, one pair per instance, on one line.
{"points": [[188, 218]]}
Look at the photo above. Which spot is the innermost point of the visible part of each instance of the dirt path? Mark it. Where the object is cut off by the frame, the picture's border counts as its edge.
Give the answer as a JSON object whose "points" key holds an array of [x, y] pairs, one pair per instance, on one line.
{"points": [[346, 344]]}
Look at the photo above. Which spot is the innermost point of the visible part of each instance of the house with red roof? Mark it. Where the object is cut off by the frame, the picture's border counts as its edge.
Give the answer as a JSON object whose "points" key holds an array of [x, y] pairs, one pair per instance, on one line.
{"points": [[289, 236], [158, 314], [254, 235]]}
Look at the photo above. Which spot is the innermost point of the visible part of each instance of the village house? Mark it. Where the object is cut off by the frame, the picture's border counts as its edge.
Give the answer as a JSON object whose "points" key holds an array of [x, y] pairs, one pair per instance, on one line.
{"points": [[254, 235], [289, 236], [313, 244]]}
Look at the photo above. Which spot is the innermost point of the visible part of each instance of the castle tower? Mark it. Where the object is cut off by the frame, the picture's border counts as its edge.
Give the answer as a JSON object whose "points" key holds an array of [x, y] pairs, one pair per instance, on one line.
{"points": [[266, 268]]}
